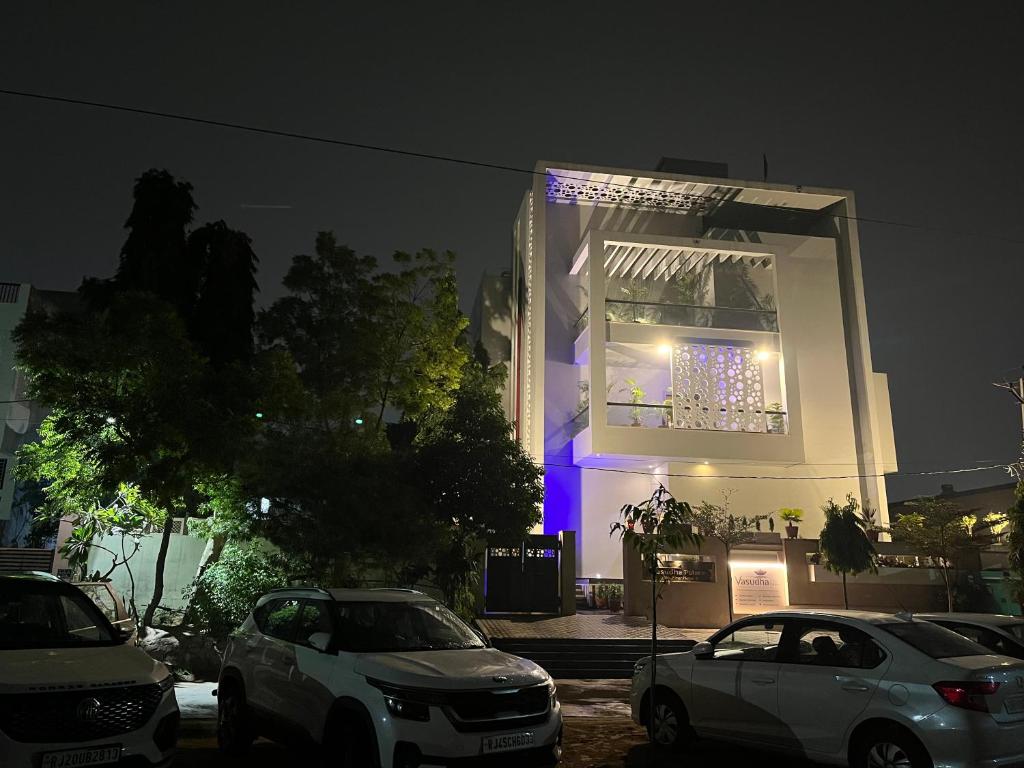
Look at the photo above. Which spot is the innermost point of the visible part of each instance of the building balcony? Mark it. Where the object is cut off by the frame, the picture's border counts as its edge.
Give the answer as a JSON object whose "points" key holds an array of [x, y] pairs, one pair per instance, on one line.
{"points": [[652, 416], [691, 315]]}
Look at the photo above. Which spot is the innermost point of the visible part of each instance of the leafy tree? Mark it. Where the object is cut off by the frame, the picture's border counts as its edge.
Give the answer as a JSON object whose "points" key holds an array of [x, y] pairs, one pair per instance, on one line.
{"points": [[943, 532], [224, 594], [716, 521], [140, 391], [1015, 539], [844, 543], [664, 527]]}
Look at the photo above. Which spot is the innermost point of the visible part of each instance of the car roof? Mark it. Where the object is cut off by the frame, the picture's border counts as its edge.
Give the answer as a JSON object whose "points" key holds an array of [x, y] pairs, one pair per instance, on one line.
{"points": [[870, 617], [987, 619], [42, 576]]}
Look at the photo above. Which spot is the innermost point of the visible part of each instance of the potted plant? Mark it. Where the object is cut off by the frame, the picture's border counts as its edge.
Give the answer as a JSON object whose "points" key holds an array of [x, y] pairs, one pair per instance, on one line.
{"points": [[636, 399], [601, 596], [614, 597], [871, 527], [666, 412], [792, 516], [776, 422]]}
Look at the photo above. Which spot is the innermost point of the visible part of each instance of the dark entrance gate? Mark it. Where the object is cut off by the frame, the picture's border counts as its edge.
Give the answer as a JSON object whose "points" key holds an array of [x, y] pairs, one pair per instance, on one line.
{"points": [[523, 577]]}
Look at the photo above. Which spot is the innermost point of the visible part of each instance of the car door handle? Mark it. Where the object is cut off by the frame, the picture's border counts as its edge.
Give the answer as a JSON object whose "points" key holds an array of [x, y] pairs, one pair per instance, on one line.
{"points": [[762, 680], [857, 687]]}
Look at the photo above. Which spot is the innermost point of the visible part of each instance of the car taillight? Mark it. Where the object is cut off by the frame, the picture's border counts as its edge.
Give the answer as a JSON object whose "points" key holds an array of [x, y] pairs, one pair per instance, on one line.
{"points": [[967, 695]]}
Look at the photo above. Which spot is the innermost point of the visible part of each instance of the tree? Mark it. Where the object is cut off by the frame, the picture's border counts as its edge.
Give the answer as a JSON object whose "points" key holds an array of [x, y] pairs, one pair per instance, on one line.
{"points": [[153, 395], [664, 526], [844, 543], [1015, 539], [943, 532], [715, 521]]}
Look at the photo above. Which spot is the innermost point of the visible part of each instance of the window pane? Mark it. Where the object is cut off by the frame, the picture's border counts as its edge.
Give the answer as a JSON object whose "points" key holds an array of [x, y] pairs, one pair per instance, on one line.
{"points": [[933, 640], [314, 619], [280, 619], [754, 642], [838, 646], [80, 625]]}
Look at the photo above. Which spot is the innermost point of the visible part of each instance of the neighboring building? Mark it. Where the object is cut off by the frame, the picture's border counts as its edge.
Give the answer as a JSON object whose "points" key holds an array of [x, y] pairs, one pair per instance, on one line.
{"points": [[696, 331], [490, 323], [992, 499], [20, 418]]}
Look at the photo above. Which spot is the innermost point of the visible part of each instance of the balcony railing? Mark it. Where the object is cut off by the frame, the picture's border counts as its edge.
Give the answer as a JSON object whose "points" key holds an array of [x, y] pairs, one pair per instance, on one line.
{"points": [[579, 422], [661, 416], [691, 315], [581, 322]]}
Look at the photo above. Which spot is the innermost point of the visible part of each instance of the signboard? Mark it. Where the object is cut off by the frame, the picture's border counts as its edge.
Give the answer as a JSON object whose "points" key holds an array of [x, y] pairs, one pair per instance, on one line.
{"points": [[758, 587], [685, 568]]}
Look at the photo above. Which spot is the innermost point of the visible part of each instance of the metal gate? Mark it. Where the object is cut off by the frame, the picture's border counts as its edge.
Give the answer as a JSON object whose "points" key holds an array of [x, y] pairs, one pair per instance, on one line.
{"points": [[523, 577]]}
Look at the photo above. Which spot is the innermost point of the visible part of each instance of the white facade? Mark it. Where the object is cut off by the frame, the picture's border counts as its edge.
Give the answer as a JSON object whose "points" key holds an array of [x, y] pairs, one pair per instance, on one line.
{"points": [[705, 333]]}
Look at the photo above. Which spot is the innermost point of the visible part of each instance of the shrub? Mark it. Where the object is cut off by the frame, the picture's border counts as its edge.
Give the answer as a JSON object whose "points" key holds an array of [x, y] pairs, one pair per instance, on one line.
{"points": [[224, 593]]}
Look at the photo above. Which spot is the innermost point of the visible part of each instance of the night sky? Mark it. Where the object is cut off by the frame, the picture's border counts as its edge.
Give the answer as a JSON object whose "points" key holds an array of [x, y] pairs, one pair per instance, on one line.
{"points": [[919, 114]]}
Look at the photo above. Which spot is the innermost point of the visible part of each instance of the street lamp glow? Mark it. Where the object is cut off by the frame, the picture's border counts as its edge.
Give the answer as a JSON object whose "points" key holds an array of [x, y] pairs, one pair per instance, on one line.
{"points": [[359, 421], [665, 349], [259, 414]]}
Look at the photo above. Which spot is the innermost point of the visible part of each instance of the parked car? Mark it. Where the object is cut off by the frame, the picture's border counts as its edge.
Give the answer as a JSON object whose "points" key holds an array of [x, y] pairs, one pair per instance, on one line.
{"points": [[382, 678], [107, 599], [72, 692], [841, 687], [999, 633]]}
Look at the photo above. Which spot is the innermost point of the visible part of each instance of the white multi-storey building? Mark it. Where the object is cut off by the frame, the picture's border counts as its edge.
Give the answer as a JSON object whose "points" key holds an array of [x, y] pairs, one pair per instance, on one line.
{"points": [[706, 333]]}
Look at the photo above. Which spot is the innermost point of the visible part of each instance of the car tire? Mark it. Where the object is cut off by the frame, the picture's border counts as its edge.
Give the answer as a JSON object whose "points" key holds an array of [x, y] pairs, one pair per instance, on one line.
{"points": [[670, 729], [235, 732], [889, 747], [351, 742]]}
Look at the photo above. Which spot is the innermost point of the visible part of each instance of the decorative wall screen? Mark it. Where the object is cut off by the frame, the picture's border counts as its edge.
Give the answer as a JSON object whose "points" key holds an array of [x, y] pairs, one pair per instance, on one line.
{"points": [[717, 387]]}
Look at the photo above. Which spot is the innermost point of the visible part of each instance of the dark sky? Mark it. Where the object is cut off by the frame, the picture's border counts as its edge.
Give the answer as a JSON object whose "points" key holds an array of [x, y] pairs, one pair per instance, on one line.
{"points": [[919, 113]]}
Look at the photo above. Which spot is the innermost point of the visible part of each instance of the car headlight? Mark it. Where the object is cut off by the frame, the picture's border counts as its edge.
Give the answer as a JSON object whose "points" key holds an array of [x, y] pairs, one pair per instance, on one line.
{"points": [[406, 709], [552, 694], [641, 665], [166, 684]]}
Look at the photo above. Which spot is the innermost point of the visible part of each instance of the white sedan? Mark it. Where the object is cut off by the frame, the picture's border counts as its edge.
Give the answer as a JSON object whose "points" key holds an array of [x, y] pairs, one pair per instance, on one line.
{"points": [[841, 687]]}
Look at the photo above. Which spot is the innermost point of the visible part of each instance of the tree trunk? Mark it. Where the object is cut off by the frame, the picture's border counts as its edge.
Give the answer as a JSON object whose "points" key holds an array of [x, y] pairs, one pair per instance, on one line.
{"points": [[654, 640], [158, 581], [728, 584], [846, 598], [949, 590]]}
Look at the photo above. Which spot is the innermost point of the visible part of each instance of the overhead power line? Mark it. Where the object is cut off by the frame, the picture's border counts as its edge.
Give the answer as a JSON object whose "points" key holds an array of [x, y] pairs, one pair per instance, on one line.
{"points": [[487, 165]]}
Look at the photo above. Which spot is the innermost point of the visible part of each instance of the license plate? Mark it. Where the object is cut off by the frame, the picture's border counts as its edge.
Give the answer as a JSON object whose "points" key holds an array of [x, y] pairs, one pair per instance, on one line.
{"points": [[507, 742], [1015, 705], [74, 758]]}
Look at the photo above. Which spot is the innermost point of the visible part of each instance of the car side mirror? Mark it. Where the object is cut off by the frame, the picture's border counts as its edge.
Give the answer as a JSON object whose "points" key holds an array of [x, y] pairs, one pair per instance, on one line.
{"points": [[704, 650], [321, 641]]}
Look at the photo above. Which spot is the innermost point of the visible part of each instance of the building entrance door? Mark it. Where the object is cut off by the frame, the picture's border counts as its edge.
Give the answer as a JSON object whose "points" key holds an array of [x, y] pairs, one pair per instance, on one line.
{"points": [[523, 577]]}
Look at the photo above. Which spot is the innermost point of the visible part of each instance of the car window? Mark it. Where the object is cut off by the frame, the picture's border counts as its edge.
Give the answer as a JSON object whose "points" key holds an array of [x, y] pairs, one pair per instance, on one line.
{"points": [[103, 599], [39, 616], [314, 618], [421, 625], [751, 642], [836, 645], [1016, 629], [933, 640], [279, 621]]}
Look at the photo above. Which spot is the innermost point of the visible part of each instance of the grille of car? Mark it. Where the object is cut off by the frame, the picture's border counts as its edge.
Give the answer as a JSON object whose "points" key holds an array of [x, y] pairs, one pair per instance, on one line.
{"points": [[491, 710], [82, 715]]}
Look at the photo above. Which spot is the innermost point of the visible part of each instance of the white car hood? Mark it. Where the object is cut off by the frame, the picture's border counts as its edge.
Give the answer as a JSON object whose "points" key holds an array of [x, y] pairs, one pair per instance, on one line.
{"points": [[473, 668], [56, 669]]}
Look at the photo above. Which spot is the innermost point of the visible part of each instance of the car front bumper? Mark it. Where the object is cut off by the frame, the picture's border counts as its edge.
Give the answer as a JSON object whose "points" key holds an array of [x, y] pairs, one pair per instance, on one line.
{"points": [[151, 745]]}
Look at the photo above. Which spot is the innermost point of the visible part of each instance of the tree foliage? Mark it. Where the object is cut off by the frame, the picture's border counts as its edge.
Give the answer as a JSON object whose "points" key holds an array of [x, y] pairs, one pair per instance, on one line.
{"points": [[844, 543]]}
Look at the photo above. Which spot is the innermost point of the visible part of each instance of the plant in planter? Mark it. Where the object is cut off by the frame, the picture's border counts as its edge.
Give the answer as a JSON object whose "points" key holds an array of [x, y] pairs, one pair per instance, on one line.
{"points": [[792, 516], [666, 412], [601, 595], [614, 597], [871, 527], [776, 418], [636, 399]]}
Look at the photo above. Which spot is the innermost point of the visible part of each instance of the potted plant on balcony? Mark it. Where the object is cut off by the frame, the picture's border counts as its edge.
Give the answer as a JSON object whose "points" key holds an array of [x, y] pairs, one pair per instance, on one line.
{"points": [[776, 418], [666, 412], [871, 527], [636, 399], [792, 516]]}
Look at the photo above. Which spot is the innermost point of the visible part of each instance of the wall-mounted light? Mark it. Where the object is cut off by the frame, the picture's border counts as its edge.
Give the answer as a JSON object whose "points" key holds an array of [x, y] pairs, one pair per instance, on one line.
{"points": [[763, 354], [665, 349]]}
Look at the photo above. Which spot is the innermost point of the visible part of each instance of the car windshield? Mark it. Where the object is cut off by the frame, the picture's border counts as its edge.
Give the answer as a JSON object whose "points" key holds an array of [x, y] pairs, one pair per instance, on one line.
{"points": [[43, 615], [933, 640], [381, 627], [1016, 629]]}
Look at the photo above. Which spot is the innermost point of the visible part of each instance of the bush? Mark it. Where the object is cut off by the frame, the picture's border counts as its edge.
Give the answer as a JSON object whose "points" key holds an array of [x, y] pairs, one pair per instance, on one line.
{"points": [[223, 595]]}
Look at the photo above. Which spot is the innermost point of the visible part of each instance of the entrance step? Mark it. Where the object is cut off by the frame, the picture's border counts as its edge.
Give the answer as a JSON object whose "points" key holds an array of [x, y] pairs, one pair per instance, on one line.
{"points": [[583, 658]]}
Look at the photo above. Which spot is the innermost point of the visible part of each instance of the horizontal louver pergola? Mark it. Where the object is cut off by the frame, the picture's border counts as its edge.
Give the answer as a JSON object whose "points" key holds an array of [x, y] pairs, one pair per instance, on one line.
{"points": [[631, 260]]}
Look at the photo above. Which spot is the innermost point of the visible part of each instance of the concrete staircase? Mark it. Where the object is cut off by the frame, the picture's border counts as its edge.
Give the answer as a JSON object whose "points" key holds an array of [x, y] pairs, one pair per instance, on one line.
{"points": [[586, 658]]}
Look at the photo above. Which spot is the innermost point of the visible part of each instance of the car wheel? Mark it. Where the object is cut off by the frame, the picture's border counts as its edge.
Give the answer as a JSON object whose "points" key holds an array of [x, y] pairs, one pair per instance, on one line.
{"points": [[234, 725], [890, 748], [670, 728]]}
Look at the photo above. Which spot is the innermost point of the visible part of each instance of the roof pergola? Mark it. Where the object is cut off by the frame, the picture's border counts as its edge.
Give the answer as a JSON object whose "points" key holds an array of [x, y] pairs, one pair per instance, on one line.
{"points": [[631, 260]]}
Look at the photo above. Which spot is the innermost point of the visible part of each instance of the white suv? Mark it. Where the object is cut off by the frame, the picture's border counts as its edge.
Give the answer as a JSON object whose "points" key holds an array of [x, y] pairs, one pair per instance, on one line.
{"points": [[382, 678], [72, 691]]}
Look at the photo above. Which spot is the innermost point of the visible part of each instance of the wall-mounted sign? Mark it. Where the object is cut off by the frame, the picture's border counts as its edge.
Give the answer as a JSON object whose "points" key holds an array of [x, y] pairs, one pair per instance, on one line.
{"points": [[684, 568], [758, 587]]}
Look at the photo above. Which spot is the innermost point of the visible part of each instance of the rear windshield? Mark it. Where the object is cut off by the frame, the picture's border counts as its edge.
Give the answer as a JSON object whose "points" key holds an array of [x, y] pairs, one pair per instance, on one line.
{"points": [[1017, 630], [42, 615], [933, 640]]}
